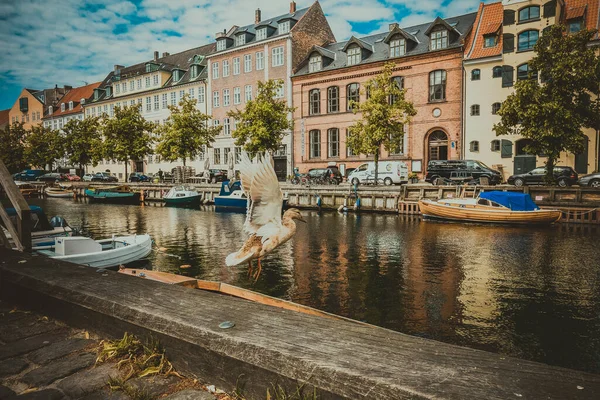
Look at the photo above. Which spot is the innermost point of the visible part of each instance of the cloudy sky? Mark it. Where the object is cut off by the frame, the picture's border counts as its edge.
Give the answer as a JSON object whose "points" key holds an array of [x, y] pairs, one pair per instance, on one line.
{"points": [[73, 42]]}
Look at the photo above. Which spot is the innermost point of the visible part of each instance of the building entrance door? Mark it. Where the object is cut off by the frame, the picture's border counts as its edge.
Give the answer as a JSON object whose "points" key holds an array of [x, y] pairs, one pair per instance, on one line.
{"points": [[438, 146], [581, 160]]}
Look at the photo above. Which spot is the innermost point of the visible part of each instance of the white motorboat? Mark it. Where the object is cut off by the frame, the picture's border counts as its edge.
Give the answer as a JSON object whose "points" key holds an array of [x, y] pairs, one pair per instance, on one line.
{"points": [[182, 196], [43, 231], [58, 192], [118, 250]]}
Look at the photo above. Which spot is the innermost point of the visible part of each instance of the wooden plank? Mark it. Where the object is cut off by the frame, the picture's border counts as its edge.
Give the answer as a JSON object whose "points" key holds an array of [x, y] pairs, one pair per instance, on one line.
{"points": [[22, 208], [11, 228]]}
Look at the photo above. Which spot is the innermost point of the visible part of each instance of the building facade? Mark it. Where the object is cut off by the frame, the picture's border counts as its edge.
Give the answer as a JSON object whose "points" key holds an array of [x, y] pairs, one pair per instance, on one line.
{"points": [[69, 107], [495, 58], [427, 62], [267, 49], [32, 105]]}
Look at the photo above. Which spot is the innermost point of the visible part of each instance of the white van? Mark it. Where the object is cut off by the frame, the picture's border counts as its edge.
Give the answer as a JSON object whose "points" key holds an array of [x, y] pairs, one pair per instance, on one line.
{"points": [[390, 172]]}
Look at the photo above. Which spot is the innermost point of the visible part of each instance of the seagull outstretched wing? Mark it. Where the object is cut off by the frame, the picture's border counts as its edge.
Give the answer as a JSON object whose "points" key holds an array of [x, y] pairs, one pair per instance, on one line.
{"points": [[259, 182]]}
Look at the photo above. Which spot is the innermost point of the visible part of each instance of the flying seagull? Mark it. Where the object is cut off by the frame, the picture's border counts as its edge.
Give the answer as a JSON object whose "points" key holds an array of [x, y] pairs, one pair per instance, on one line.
{"points": [[267, 229]]}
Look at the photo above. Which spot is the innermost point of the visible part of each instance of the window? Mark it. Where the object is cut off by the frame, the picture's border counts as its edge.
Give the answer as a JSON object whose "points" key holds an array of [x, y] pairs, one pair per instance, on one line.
{"points": [[315, 143], [261, 33], [217, 156], [475, 110], [352, 95], [490, 40], [475, 74], [215, 99], [399, 82], [495, 146], [314, 64], [173, 98], [221, 44], [248, 63], [240, 39], [62, 107], [277, 56], [474, 146], [397, 47], [139, 84], [248, 92], [147, 81], [148, 103], [529, 13], [132, 86], [225, 68], [439, 40], [194, 71], [226, 125], [192, 93], [314, 100], [353, 55], [497, 72], [237, 97], [496, 108], [333, 141], [201, 94], [238, 154], [260, 60], [155, 77], [226, 155], [117, 88], [507, 76], [225, 97], [437, 85], [333, 99], [508, 17], [156, 102], [164, 100], [284, 27], [181, 94], [124, 87], [279, 92], [575, 26], [215, 70], [527, 40], [523, 72], [236, 66]]}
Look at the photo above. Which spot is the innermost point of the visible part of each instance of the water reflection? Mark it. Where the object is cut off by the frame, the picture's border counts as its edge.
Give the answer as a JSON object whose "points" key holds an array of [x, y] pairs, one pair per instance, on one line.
{"points": [[527, 292]]}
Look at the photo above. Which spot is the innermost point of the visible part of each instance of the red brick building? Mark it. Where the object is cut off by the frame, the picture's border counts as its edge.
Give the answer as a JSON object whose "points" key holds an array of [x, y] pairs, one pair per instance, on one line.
{"points": [[428, 63]]}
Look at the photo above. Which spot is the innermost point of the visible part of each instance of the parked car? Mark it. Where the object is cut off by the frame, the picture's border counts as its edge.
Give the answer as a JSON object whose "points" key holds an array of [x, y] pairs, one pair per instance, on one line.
{"points": [[461, 171], [217, 175], [390, 172], [138, 177], [325, 176], [53, 177], [87, 177], [29, 174], [73, 177], [591, 180], [565, 176], [104, 177]]}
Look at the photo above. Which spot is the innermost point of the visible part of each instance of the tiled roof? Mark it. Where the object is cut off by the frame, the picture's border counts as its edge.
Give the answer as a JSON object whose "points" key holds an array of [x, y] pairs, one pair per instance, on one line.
{"points": [[75, 95], [589, 8], [575, 12], [4, 117], [461, 25], [489, 20]]}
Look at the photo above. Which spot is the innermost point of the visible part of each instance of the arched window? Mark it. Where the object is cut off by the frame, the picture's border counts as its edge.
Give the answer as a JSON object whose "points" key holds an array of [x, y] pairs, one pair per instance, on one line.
{"points": [[495, 145], [333, 142], [438, 146], [497, 72], [352, 95], [474, 146], [437, 85], [315, 143], [527, 40], [476, 74], [524, 72], [496, 107], [333, 99], [314, 99], [529, 13], [475, 110]]}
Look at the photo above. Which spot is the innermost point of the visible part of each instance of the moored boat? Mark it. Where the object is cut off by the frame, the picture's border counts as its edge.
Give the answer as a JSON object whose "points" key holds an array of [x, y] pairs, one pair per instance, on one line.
{"points": [[182, 196], [490, 207], [118, 250], [43, 231], [231, 196], [27, 189], [58, 192], [113, 194]]}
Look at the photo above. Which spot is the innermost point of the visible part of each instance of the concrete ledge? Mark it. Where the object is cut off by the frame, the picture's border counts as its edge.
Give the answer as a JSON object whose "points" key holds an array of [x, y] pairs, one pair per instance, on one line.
{"points": [[341, 359]]}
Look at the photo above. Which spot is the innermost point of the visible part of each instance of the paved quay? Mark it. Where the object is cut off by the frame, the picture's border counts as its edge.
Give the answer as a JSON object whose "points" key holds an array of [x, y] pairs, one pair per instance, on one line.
{"points": [[44, 359]]}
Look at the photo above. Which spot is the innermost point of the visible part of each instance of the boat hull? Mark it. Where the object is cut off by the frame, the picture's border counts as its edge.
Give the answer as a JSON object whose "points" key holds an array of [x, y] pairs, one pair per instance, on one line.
{"points": [[434, 210], [231, 202], [112, 197], [183, 201], [59, 194]]}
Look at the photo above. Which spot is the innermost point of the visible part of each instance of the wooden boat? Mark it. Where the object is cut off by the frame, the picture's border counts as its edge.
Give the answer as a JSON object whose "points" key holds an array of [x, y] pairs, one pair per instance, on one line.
{"points": [[103, 253], [58, 192], [227, 289], [113, 194], [490, 207], [182, 196], [43, 231], [27, 189]]}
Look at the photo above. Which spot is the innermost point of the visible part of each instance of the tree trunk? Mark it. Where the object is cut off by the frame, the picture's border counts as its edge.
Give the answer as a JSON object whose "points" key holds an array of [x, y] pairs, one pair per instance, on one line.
{"points": [[184, 162], [549, 178], [126, 170], [376, 166]]}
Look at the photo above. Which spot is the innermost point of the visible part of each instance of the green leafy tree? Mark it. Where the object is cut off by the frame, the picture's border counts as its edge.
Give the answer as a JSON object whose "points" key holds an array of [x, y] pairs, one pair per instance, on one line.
{"points": [[552, 113], [262, 125], [12, 149], [127, 135], [186, 131], [383, 117], [43, 146], [83, 141]]}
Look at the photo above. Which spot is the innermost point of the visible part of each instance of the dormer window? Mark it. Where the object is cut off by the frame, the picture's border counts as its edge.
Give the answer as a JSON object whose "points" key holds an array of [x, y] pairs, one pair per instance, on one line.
{"points": [[315, 63], [148, 67], [108, 91], [575, 26], [490, 40], [71, 105], [221, 45], [240, 40], [177, 75], [62, 107], [82, 101], [261, 33], [397, 47], [439, 40], [195, 71], [353, 55], [284, 27]]}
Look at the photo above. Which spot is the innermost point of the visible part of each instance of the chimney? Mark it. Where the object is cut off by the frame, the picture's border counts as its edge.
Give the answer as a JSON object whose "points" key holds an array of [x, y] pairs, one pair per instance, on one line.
{"points": [[393, 26], [156, 56], [165, 54], [257, 16], [292, 7], [118, 67]]}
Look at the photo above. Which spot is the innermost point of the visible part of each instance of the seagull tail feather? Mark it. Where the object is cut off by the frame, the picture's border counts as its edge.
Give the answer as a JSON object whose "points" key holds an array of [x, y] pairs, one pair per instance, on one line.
{"points": [[237, 258]]}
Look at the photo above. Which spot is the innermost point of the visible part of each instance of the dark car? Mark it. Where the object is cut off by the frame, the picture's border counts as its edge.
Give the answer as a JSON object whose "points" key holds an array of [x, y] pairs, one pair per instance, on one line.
{"points": [[138, 177], [104, 177], [329, 175], [29, 174], [565, 176], [461, 171], [591, 180], [53, 177], [218, 175]]}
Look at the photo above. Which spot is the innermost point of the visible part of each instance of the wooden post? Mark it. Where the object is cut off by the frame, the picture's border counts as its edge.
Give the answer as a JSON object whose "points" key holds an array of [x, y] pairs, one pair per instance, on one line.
{"points": [[23, 237]]}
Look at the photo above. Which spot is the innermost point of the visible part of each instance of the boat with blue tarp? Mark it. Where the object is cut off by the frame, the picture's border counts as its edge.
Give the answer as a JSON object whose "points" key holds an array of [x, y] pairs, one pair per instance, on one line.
{"points": [[113, 194], [43, 231], [489, 207]]}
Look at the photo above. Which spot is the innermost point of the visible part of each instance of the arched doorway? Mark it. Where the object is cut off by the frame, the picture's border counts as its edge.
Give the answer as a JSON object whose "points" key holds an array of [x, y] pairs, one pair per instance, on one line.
{"points": [[438, 145]]}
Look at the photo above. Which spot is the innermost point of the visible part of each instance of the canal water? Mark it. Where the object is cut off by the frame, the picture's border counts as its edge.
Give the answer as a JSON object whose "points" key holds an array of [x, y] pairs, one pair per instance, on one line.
{"points": [[529, 292]]}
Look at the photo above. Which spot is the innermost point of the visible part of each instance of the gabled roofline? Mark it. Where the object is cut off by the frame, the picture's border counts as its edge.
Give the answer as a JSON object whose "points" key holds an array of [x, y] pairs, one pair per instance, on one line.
{"points": [[399, 31], [440, 21], [359, 42]]}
